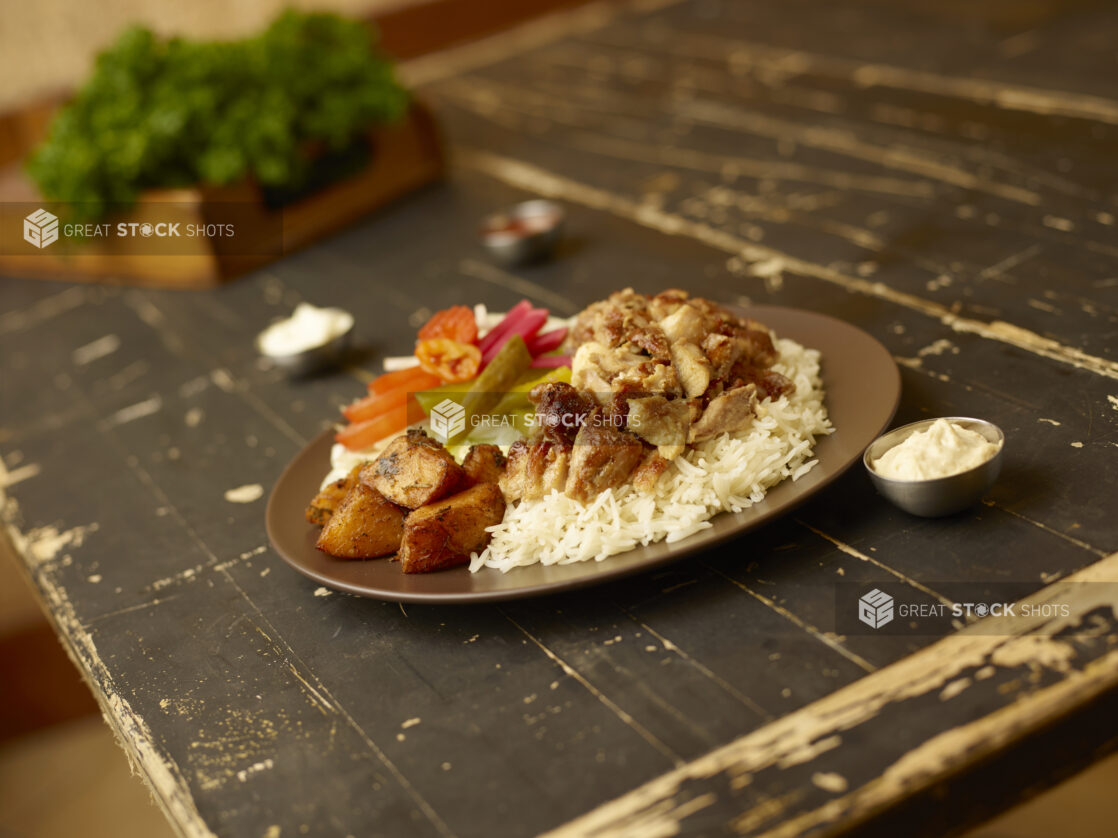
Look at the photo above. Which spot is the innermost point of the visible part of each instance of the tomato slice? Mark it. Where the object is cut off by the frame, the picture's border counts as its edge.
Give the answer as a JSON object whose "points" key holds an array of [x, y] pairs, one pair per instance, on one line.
{"points": [[454, 323], [450, 360]]}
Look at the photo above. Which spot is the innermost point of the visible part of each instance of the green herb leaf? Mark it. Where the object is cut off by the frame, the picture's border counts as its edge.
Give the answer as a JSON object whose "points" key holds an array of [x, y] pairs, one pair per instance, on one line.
{"points": [[165, 113]]}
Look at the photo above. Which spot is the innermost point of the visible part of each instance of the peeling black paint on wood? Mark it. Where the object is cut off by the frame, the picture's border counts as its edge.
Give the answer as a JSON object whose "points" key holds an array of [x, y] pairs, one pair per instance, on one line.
{"points": [[269, 703]]}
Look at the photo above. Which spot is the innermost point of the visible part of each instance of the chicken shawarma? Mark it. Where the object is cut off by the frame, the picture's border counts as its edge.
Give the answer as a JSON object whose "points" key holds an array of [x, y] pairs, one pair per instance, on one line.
{"points": [[674, 408], [648, 374]]}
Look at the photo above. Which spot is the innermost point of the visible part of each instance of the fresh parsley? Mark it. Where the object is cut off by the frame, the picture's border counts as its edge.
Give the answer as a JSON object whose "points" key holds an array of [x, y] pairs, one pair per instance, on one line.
{"points": [[176, 112]]}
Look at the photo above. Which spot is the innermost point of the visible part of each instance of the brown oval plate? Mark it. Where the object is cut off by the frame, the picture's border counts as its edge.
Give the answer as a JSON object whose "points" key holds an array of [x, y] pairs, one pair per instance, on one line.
{"points": [[863, 388]]}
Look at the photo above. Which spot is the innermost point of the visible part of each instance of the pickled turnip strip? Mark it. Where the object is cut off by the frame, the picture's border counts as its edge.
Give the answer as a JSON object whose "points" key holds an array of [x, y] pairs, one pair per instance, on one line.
{"points": [[526, 327], [547, 341], [551, 361], [504, 327]]}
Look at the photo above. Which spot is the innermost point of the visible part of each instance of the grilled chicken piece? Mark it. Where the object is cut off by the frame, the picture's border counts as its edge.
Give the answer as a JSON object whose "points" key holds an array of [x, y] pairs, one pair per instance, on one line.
{"points": [[685, 323], [651, 339], [443, 534], [694, 410], [560, 409], [774, 385], [616, 412], [534, 469], [665, 303], [595, 365], [611, 321], [648, 377], [661, 422], [323, 504], [629, 318], [364, 526], [770, 384], [647, 473], [722, 351], [757, 347], [483, 464], [588, 371], [717, 359], [413, 471], [747, 347], [729, 412], [600, 322], [602, 457], [601, 371], [692, 367]]}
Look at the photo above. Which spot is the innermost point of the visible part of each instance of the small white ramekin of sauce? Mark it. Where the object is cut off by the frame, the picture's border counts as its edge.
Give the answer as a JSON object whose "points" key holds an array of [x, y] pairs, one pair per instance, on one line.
{"points": [[937, 466], [944, 449], [309, 340]]}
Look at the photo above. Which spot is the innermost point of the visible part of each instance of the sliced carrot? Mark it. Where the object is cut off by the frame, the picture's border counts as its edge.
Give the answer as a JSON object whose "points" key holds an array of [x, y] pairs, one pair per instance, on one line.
{"points": [[375, 404], [454, 323], [449, 359], [413, 379], [363, 434]]}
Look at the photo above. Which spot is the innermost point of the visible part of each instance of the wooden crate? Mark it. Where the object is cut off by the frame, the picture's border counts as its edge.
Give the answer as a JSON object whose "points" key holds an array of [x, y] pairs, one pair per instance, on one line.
{"points": [[403, 158]]}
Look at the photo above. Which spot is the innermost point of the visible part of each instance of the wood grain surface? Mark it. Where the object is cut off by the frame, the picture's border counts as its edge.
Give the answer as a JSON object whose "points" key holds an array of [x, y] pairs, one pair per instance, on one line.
{"points": [[940, 175]]}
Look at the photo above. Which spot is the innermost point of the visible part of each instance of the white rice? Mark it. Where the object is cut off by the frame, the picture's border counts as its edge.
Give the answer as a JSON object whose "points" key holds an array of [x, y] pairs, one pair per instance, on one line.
{"points": [[729, 473]]}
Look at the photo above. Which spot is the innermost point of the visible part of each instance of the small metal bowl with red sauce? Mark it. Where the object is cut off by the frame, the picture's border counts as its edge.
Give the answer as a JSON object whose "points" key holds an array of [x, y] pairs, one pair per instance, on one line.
{"points": [[526, 232]]}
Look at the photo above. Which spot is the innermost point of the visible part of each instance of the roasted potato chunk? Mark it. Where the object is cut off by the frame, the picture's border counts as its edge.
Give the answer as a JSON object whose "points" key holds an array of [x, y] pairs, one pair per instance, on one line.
{"points": [[414, 471], [323, 504], [364, 526], [483, 464], [443, 534]]}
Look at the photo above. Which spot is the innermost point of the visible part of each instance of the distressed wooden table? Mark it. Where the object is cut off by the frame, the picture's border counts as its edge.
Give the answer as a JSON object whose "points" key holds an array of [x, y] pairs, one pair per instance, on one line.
{"points": [[941, 175]]}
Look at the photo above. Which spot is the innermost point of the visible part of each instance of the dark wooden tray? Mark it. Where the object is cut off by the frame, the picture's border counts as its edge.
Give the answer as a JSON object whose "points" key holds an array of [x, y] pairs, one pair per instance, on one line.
{"points": [[401, 159]]}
